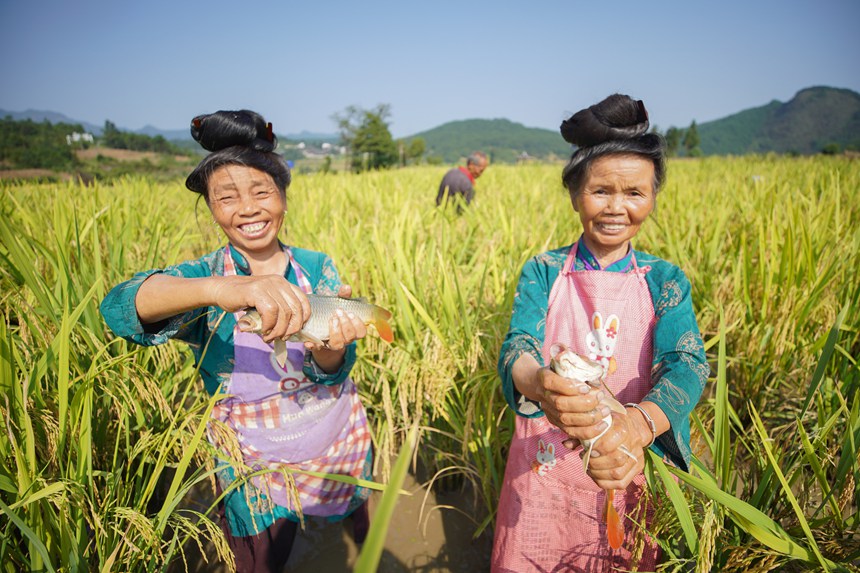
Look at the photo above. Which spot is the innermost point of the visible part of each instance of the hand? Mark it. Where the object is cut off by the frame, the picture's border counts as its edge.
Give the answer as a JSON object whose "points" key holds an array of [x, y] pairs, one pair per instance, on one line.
{"points": [[573, 407], [610, 467], [283, 307], [344, 328]]}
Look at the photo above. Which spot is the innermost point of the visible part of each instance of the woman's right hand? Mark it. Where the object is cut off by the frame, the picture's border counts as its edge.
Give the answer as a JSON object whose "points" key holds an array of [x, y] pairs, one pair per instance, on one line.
{"points": [[573, 407], [283, 306]]}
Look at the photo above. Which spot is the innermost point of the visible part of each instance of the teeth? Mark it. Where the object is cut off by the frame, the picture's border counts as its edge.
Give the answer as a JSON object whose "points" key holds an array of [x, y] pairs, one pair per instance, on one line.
{"points": [[612, 227], [253, 228]]}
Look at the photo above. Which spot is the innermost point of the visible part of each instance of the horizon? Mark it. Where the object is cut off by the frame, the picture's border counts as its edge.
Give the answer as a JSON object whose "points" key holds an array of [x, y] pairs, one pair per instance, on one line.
{"points": [[145, 65]]}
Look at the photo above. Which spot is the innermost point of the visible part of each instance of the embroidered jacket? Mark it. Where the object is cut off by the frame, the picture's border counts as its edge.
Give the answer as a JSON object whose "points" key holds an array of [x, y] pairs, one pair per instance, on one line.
{"points": [[212, 325]]}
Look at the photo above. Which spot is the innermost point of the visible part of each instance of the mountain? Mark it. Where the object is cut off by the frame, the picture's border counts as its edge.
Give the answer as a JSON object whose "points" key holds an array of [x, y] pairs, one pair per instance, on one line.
{"points": [[814, 118], [501, 139], [51, 117]]}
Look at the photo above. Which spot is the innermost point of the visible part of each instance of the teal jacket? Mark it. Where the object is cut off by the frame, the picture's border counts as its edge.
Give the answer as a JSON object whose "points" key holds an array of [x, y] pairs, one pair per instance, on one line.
{"points": [[211, 325]]}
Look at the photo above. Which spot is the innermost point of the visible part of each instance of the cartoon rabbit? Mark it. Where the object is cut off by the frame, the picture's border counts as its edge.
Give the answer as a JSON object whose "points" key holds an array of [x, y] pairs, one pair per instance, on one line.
{"points": [[601, 341], [545, 458]]}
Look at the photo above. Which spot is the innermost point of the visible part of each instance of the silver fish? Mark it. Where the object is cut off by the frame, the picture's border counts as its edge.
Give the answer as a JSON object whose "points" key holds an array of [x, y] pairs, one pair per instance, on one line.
{"points": [[316, 327]]}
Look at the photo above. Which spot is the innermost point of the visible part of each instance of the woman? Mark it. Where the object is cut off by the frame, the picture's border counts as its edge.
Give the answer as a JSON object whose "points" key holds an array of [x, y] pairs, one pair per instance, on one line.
{"points": [[304, 414], [629, 311]]}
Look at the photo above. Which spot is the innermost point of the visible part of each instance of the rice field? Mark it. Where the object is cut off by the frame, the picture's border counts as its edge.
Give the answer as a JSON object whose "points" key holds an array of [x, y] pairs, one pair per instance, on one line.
{"points": [[103, 440]]}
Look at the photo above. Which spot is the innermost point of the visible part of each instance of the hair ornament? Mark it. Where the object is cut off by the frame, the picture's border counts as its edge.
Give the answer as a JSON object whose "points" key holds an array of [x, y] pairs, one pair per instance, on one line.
{"points": [[270, 136], [643, 113]]}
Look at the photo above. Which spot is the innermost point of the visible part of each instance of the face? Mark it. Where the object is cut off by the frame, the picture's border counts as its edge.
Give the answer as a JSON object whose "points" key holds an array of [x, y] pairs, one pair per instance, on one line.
{"points": [[616, 198], [476, 169], [249, 207]]}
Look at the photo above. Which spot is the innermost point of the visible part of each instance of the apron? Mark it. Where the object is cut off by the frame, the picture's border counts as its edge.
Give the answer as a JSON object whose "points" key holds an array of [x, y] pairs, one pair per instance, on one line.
{"points": [[280, 419], [550, 515]]}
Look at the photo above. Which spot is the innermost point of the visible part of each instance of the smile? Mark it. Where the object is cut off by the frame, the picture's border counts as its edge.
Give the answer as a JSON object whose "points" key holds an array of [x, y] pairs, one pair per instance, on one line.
{"points": [[253, 229], [611, 227]]}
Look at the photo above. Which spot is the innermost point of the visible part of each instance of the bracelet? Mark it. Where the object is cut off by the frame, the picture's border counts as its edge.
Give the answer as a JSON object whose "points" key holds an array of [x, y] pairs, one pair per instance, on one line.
{"points": [[648, 419]]}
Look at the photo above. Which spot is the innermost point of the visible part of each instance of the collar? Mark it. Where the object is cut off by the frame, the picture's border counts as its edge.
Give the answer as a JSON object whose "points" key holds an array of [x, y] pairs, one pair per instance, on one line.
{"points": [[467, 173], [242, 266], [585, 261]]}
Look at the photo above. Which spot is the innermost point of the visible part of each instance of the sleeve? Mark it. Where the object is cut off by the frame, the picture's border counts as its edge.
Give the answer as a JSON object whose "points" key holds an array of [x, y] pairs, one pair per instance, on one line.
{"points": [[328, 283], [442, 187], [526, 333], [120, 312], [680, 368], [469, 193]]}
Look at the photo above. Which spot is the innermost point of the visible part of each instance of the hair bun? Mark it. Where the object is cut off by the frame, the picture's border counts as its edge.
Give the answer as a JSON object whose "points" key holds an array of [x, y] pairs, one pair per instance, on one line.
{"points": [[616, 117], [222, 129]]}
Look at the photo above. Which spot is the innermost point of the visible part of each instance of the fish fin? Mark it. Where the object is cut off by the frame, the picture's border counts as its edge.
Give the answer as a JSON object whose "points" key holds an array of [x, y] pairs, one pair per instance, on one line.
{"points": [[281, 352], [614, 527], [304, 336], [380, 321]]}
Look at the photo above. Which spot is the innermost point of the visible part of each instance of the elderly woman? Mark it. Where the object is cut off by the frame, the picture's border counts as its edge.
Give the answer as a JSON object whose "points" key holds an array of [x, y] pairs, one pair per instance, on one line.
{"points": [[627, 310], [303, 414]]}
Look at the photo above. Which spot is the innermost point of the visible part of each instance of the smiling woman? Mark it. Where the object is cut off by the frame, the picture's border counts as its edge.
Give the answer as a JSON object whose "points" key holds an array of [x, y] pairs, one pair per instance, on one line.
{"points": [[630, 314], [301, 412]]}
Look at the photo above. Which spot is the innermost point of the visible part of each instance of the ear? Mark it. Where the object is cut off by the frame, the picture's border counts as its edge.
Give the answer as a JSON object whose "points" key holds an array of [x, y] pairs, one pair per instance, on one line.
{"points": [[596, 320], [613, 323], [551, 449]]}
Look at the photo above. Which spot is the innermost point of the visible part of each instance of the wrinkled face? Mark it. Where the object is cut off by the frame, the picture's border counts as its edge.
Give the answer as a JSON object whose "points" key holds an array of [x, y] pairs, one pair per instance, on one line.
{"points": [[248, 206], [616, 198], [476, 169]]}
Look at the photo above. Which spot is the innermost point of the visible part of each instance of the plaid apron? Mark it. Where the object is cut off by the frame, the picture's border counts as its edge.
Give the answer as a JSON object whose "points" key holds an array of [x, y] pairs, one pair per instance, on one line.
{"points": [[281, 420], [550, 515]]}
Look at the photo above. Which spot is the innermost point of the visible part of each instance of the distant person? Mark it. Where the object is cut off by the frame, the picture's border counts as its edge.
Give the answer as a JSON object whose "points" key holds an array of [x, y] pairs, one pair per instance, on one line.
{"points": [[459, 183], [301, 413]]}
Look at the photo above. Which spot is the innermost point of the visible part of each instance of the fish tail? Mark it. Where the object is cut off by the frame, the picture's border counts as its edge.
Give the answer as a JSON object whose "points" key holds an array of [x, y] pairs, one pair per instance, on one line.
{"points": [[380, 321], [614, 527]]}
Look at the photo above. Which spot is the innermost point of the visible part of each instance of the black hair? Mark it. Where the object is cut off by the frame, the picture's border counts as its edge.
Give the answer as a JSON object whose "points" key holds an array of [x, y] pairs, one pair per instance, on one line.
{"points": [[476, 157], [236, 138], [615, 126]]}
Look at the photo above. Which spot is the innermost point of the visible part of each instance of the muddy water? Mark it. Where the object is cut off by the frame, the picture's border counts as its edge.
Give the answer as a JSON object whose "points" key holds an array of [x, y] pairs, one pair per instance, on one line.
{"points": [[432, 540]]}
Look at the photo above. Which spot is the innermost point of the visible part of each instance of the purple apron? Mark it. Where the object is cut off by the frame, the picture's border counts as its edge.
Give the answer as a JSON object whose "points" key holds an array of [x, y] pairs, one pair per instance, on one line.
{"points": [[282, 420]]}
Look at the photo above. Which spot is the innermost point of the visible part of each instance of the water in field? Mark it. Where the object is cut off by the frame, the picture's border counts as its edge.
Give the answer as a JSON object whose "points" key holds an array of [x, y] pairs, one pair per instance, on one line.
{"points": [[437, 540]]}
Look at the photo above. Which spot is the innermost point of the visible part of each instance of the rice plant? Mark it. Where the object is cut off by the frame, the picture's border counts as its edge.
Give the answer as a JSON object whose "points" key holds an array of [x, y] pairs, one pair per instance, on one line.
{"points": [[102, 440]]}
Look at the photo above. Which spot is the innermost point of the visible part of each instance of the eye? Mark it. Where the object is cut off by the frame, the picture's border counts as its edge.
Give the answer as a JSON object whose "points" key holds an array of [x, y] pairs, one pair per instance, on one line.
{"points": [[263, 193]]}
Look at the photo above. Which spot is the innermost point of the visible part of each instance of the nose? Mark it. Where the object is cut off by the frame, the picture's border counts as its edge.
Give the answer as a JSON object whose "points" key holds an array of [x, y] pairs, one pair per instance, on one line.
{"points": [[248, 206], [615, 203]]}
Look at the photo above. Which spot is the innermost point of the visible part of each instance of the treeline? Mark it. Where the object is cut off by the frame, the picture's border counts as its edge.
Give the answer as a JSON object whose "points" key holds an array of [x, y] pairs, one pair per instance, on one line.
{"points": [[114, 138], [27, 144]]}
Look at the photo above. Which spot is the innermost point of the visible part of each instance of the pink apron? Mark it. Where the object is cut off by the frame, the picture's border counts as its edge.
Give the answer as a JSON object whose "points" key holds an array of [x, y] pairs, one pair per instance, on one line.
{"points": [[282, 419], [550, 515]]}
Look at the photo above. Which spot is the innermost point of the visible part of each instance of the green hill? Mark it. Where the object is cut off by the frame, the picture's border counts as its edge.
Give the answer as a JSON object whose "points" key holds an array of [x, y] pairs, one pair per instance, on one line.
{"points": [[503, 140], [813, 119]]}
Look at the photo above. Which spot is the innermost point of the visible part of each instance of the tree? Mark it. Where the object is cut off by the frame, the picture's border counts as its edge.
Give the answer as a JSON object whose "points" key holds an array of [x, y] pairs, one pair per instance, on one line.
{"points": [[692, 141], [673, 141], [365, 133], [416, 149]]}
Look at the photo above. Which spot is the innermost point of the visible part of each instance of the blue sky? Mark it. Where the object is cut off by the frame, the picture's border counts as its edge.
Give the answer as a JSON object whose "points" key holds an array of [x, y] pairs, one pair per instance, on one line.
{"points": [[160, 63]]}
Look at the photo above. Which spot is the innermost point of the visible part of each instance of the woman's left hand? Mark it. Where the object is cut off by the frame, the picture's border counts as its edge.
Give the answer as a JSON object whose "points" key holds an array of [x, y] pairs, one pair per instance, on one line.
{"points": [[344, 328], [609, 466]]}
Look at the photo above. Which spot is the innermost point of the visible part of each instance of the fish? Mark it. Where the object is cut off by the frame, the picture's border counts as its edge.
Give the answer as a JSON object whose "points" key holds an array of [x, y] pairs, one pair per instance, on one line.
{"points": [[315, 329], [573, 366]]}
